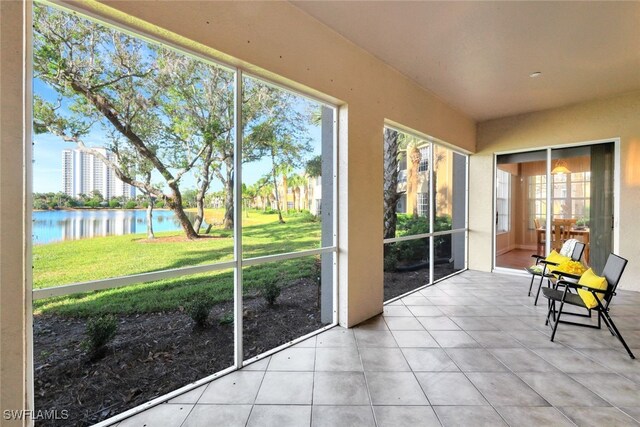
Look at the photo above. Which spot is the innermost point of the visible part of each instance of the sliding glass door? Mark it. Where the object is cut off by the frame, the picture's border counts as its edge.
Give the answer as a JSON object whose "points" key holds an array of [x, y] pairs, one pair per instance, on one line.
{"points": [[546, 197]]}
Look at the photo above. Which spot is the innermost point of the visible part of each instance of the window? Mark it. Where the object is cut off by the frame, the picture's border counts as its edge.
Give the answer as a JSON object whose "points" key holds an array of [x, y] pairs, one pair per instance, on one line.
{"points": [[570, 199], [537, 199], [423, 204], [580, 185], [503, 193], [424, 159]]}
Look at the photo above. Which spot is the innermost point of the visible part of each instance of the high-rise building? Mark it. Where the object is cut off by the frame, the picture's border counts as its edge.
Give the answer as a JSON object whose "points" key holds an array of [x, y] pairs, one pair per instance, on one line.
{"points": [[84, 172]]}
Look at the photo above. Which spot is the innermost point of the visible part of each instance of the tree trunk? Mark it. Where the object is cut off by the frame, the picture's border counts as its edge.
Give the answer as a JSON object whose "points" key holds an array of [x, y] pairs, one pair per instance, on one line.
{"points": [[203, 187], [413, 162], [275, 184], [285, 192], [294, 198], [227, 223], [175, 204], [391, 195], [150, 234], [197, 222]]}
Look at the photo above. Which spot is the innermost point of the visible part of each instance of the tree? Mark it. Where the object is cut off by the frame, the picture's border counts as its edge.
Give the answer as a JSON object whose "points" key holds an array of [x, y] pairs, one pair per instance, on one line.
{"points": [[411, 147], [391, 194], [313, 168], [189, 198], [136, 165], [280, 134], [107, 78], [264, 192], [284, 170], [283, 151], [201, 109], [97, 195], [296, 181]]}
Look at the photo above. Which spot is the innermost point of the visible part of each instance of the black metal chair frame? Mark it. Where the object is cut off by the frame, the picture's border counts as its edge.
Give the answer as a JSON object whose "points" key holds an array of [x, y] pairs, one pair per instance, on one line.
{"points": [[578, 249], [618, 265]]}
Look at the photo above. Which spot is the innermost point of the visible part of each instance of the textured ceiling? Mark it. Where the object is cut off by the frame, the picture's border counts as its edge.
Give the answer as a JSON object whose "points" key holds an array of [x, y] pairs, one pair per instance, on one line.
{"points": [[477, 56]]}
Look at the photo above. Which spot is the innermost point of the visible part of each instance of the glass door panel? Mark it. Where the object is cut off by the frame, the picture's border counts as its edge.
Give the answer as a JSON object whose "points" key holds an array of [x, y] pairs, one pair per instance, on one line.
{"points": [[579, 203], [583, 200], [521, 205]]}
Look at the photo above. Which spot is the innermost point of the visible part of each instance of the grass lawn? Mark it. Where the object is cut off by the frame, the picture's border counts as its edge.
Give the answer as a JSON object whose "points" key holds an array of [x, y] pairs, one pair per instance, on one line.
{"points": [[105, 257]]}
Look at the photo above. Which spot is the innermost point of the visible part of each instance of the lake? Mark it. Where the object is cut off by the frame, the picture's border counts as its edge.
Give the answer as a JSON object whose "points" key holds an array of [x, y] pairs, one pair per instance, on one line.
{"points": [[55, 226]]}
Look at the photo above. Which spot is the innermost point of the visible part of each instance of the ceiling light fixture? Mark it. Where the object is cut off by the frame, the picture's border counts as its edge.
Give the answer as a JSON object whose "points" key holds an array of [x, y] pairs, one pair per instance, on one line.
{"points": [[535, 74], [561, 168]]}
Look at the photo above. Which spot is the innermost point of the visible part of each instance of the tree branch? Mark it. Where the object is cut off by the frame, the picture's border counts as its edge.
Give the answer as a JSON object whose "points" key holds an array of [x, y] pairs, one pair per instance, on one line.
{"points": [[116, 80]]}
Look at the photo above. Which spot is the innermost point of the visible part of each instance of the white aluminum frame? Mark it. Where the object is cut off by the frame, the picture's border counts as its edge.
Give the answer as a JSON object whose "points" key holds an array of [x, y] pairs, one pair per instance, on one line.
{"points": [[237, 263], [549, 149], [237, 223]]}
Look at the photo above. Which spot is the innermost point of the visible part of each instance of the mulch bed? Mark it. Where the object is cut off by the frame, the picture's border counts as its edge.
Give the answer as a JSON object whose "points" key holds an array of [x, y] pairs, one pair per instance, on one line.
{"points": [[155, 353], [397, 283]]}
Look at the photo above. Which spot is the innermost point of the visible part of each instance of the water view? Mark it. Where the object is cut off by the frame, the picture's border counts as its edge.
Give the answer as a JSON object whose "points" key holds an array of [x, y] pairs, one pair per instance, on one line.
{"points": [[58, 225]]}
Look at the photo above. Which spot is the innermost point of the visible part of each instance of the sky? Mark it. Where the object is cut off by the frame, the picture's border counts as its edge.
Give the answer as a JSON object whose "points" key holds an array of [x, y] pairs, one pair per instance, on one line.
{"points": [[47, 154], [47, 150]]}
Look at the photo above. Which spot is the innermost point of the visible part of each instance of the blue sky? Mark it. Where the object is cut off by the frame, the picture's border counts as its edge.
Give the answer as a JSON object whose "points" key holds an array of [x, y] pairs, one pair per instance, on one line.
{"points": [[47, 150], [47, 154]]}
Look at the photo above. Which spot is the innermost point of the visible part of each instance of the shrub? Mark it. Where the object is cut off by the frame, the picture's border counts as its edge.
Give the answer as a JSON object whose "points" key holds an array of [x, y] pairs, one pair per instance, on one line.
{"points": [[442, 223], [309, 217], [92, 203], [99, 331], [130, 205], [199, 311], [226, 319], [391, 260], [159, 204], [40, 205], [113, 203], [270, 291]]}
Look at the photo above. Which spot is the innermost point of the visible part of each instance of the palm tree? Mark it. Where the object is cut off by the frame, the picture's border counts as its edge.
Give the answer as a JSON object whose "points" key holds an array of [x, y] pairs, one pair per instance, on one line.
{"points": [[391, 195], [295, 181], [264, 191], [313, 169], [411, 146]]}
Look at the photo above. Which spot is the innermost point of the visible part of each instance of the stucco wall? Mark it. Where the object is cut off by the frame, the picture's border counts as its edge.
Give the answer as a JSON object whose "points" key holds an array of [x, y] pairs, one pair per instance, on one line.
{"points": [[14, 351], [616, 117]]}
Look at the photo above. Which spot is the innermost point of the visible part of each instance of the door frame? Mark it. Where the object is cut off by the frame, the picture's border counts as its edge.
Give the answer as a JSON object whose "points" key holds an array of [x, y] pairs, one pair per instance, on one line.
{"points": [[548, 149]]}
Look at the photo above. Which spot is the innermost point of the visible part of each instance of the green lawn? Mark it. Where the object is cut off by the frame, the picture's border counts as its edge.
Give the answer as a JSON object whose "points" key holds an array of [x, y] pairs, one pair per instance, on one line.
{"points": [[106, 257]]}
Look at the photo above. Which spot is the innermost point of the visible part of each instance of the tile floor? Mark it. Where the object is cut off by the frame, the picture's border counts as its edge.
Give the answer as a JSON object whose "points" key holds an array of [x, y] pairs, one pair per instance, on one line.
{"points": [[469, 351]]}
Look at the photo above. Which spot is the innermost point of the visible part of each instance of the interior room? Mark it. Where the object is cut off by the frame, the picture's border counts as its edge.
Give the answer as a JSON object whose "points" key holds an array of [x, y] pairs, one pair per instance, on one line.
{"points": [[319, 213]]}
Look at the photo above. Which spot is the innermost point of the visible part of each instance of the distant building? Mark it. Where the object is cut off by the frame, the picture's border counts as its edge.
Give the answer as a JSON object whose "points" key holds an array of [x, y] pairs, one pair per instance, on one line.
{"points": [[83, 173]]}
